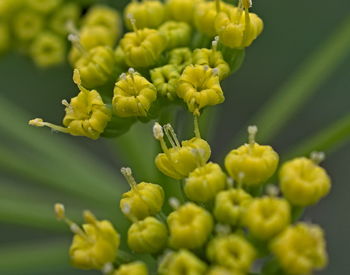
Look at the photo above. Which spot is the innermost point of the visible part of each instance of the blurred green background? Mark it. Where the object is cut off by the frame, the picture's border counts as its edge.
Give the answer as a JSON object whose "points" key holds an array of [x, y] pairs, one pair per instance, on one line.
{"points": [[293, 31]]}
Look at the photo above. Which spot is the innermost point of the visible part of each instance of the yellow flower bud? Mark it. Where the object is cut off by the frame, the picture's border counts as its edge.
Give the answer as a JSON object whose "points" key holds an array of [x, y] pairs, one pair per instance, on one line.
{"points": [[27, 24], [177, 34], [189, 226], [300, 249], [252, 164], [182, 10], [9, 7], [133, 95], [199, 87], [220, 270], [181, 58], [230, 206], [143, 48], [205, 14], [97, 67], [237, 28], [213, 59], [143, 200], [178, 161], [147, 236], [266, 217], [165, 80], [69, 12], [86, 114], [181, 262], [95, 244], [48, 49], [43, 6], [120, 57], [147, 14], [5, 38], [134, 268], [205, 182], [96, 35], [303, 182], [231, 251]]}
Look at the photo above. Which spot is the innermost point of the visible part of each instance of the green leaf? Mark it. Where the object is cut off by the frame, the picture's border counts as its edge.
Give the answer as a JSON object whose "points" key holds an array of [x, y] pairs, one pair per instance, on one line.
{"points": [[326, 140], [316, 69]]}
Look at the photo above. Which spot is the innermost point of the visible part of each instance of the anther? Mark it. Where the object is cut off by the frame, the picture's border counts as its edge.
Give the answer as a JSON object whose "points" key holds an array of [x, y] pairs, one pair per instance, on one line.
{"points": [[174, 203], [272, 190], [122, 76], [107, 268], [170, 133], [215, 43], [252, 131], [127, 173], [317, 157], [222, 229], [158, 131], [60, 211]]}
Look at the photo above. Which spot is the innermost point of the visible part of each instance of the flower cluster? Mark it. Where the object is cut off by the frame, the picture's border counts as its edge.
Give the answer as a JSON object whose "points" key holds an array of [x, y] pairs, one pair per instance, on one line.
{"points": [[224, 222], [38, 28], [167, 56]]}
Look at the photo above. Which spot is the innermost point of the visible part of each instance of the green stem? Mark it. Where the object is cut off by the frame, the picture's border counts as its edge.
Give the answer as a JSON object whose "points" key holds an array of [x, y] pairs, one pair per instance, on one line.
{"points": [[326, 140], [302, 85]]}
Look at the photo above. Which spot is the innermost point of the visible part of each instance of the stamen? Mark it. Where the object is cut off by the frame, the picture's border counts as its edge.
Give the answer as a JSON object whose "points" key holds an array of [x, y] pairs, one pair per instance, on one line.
{"points": [[132, 22], [158, 131], [60, 211], [127, 173], [170, 133], [222, 229], [230, 182], [215, 43], [65, 103], [215, 71], [75, 40], [77, 81], [89, 217], [241, 176], [317, 157], [196, 124], [38, 122], [107, 268], [272, 190], [174, 203], [252, 131], [122, 76]]}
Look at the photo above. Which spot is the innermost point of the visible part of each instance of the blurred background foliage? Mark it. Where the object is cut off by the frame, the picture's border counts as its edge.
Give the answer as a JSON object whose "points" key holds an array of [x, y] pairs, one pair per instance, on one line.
{"points": [[39, 168]]}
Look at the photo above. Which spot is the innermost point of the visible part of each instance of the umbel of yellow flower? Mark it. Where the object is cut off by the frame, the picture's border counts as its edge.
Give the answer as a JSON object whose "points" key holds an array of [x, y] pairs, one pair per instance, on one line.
{"points": [[181, 262], [251, 164], [86, 114], [177, 34], [181, 159], [303, 182], [182, 10], [143, 200], [190, 226], [231, 251], [165, 80], [95, 244], [220, 270], [199, 86], [237, 27], [65, 14], [147, 236], [230, 206], [97, 67], [46, 6], [205, 182], [300, 249], [148, 14], [133, 95], [134, 268], [266, 217], [212, 58], [27, 24], [142, 48], [180, 58]]}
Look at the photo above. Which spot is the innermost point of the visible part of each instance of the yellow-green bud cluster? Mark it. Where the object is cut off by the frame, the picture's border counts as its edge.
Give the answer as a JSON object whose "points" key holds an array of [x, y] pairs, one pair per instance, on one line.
{"points": [[38, 28]]}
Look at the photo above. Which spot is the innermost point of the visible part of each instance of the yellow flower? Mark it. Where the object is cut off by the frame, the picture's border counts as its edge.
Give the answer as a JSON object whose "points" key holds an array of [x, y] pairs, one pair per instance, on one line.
{"points": [[92, 36], [48, 49], [165, 80], [9, 7], [189, 226], [180, 263], [177, 34], [265, 217], [205, 14], [93, 245], [303, 182], [43, 6], [205, 182], [230, 206], [134, 268], [231, 251], [182, 10], [237, 28], [65, 14], [199, 87], [252, 164], [300, 249], [178, 161], [143, 200], [147, 14], [142, 48], [220, 270], [27, 24], [133, 95], [181, 58], [86, 114], [212, 58], [147, 236], [97, 67]]}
